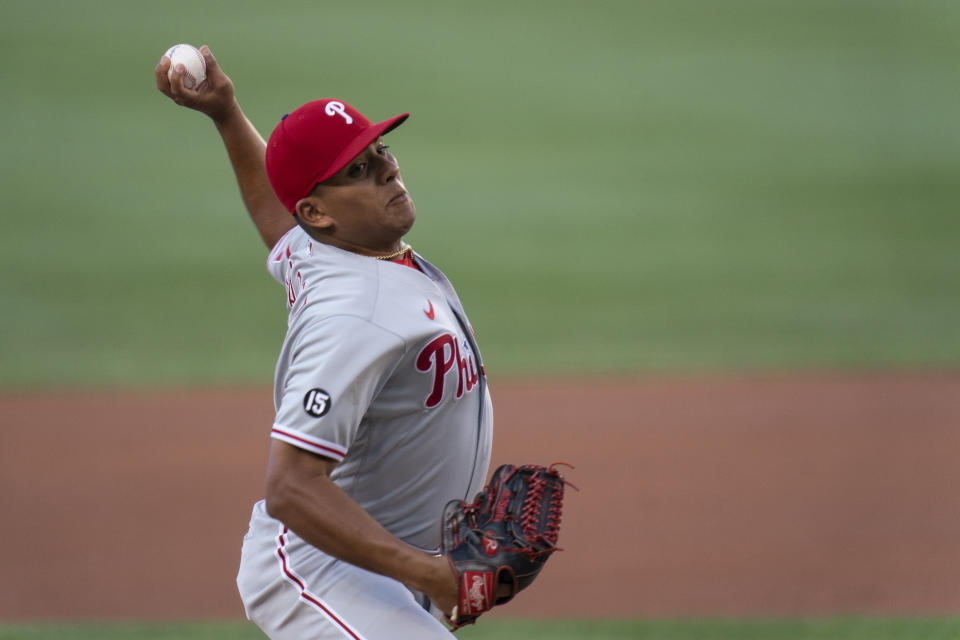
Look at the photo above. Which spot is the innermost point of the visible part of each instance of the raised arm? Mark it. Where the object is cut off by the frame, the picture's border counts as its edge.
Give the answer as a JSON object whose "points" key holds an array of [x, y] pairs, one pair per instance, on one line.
{"points": [[245, 146]]}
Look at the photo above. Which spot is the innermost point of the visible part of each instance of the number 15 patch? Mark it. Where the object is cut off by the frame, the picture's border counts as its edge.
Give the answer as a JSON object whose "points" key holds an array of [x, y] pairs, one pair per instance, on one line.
{"points": [[317, 402]]}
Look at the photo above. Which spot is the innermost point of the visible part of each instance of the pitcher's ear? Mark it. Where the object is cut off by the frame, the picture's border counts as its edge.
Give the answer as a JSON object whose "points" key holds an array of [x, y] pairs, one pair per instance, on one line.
{"points": [[310, 211]]}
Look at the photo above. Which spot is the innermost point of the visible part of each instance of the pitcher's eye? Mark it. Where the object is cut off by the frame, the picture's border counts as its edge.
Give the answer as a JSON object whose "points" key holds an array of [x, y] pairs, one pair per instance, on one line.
{"points": [[357, 169]]}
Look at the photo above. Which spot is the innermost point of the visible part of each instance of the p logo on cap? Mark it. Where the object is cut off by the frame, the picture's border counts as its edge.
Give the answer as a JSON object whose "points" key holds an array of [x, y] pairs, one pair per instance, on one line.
{"points": [[333, 107]]}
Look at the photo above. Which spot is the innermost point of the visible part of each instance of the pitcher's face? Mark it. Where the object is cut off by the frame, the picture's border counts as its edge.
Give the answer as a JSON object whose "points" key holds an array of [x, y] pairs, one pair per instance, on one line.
{"points": [[367, 199]]}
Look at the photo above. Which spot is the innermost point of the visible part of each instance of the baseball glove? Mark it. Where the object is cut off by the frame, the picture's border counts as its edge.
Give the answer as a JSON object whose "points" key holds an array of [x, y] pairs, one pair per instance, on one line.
{"points": [[499, 543]]}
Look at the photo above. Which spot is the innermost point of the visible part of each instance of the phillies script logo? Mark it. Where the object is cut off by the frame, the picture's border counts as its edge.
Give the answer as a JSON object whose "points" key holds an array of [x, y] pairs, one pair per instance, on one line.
{"points": [[441, 354]]}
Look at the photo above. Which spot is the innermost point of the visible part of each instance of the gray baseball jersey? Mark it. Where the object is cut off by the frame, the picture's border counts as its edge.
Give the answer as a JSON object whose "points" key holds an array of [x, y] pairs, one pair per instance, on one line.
{"points": [[380, 372]]}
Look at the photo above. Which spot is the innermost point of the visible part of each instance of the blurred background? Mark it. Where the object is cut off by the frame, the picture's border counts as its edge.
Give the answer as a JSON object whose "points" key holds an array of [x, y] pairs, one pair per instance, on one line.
{"points": [[631, 191], [619, 186]]}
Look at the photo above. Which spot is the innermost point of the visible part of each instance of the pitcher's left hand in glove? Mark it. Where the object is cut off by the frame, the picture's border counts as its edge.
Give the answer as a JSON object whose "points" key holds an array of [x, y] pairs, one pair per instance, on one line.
{"points": [[499, 543]]}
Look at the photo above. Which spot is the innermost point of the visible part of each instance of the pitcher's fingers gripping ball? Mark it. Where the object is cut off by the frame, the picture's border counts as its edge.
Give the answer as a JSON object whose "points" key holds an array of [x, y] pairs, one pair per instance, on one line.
{"points": [[499, 543], [212, 96], [195, 67]]}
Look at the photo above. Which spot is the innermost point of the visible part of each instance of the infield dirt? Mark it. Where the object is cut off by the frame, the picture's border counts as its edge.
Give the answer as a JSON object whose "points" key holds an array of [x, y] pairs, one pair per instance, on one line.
{"points": [[813, 494]]}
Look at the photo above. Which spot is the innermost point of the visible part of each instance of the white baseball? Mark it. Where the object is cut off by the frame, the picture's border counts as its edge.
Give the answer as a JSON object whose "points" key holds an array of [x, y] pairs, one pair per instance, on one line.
{"points": [[192, 60]]}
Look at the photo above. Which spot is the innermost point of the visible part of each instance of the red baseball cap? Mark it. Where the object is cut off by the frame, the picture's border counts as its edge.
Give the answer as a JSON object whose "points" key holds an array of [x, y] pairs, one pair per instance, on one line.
{"points": [[315, 142]]}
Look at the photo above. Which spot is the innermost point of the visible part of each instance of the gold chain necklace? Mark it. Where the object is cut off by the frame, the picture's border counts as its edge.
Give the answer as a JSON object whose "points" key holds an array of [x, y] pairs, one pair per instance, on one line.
{"points": [[396, 254]]}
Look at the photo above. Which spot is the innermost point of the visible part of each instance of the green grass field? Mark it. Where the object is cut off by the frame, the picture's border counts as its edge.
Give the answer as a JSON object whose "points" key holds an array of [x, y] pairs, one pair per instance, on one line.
{"points": [[613, 186], [814, 629]]}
